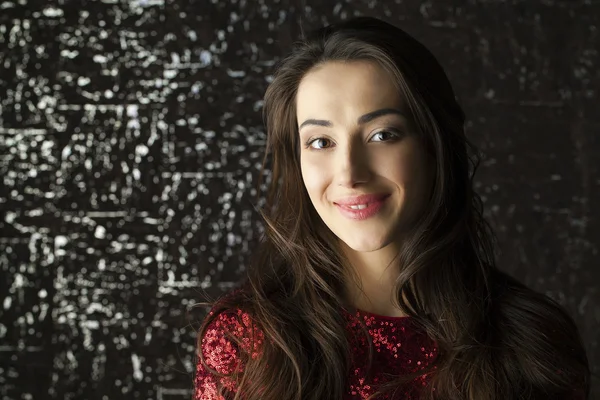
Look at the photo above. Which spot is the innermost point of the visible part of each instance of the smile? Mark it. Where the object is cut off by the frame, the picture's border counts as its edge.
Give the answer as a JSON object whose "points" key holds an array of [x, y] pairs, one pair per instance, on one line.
{"points": [[359, 206], [362, 211]]}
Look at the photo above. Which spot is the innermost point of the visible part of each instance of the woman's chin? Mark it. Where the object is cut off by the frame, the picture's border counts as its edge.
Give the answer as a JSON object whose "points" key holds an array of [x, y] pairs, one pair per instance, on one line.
{"points": [[366, 244]]}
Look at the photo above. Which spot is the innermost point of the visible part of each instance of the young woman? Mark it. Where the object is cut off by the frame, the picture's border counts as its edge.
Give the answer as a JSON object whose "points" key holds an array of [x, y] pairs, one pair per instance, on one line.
{"points": [[376, 276]]}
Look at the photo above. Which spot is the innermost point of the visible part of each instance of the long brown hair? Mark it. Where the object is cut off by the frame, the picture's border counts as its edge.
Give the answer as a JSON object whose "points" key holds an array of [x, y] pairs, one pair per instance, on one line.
{"points": [[497, 338]]}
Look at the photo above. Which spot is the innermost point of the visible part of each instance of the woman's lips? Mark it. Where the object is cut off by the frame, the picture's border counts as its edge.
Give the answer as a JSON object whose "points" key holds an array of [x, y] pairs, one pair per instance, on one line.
{"points": [[361, 199], [361, 214]]}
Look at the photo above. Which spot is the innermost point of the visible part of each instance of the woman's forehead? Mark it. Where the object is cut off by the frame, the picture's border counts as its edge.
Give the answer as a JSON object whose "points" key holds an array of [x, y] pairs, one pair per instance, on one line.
{"points": [[346, 89]]}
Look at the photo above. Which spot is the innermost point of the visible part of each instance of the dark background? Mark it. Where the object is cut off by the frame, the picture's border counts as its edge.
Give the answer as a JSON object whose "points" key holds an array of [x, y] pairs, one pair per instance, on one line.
{"points": [[130, 141]]}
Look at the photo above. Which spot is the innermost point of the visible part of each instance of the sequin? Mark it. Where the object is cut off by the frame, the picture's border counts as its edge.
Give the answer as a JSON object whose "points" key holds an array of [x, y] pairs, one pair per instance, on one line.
{"points": [[398, 346]]}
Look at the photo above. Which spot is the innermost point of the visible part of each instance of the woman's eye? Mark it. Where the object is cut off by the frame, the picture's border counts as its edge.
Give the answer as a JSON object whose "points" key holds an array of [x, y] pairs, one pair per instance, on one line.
{"points": [[316, 140], [386, 132], [392, 135]]}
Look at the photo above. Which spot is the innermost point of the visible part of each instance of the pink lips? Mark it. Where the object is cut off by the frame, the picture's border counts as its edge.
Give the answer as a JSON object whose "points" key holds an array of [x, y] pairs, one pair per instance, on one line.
{"points": [[374, 204], [362, 199]]}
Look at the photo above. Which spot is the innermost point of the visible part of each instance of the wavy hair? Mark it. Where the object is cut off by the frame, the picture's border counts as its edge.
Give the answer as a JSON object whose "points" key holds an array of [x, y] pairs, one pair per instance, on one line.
{"points": [[497, 338]]}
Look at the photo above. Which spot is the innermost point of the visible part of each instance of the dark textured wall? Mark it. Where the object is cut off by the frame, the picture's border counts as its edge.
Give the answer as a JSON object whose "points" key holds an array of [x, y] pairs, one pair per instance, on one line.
{"points": [[130, 139]]}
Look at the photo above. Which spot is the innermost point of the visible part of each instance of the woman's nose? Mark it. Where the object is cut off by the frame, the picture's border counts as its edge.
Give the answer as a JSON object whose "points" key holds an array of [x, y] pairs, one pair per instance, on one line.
{"points": [[352, 164]]}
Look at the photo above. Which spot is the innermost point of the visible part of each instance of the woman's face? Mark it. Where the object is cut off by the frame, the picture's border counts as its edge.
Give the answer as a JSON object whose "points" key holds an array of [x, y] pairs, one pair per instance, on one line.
{"points": [[345, 152]]}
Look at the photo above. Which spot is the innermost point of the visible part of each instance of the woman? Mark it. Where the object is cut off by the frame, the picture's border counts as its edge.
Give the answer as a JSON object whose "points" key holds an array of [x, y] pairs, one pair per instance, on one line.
{"points": [[376, 277]]}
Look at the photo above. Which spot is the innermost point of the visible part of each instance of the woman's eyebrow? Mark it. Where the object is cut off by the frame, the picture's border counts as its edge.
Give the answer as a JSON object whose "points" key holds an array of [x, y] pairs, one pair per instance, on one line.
{"points": [[363, 119]]}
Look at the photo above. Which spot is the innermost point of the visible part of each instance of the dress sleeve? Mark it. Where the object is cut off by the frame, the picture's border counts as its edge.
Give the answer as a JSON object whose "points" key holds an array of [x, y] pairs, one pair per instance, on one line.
{"points": [[221, 354]]}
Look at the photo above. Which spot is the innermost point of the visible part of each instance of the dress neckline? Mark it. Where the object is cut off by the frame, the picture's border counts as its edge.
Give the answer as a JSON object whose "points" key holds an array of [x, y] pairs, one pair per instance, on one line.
{"points": [[377, 316], [381, 316]]}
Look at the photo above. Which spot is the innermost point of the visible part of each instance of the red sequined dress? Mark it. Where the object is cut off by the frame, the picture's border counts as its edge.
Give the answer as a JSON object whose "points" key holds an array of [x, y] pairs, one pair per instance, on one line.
{"points": [[398, 348]]}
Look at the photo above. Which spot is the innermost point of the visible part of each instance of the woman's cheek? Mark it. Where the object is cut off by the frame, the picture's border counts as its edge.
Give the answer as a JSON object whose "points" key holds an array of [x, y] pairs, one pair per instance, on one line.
{"points": [[315, 177]]}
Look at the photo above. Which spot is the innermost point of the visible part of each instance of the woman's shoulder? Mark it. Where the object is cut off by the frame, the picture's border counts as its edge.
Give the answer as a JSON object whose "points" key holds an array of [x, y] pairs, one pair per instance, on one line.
{"points": [[227, 338], [223, 341], [230, 331]]}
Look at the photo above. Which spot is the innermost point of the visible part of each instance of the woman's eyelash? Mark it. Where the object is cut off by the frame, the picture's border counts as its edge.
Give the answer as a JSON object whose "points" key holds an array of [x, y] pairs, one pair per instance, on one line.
{"points": [[393, 134]]}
